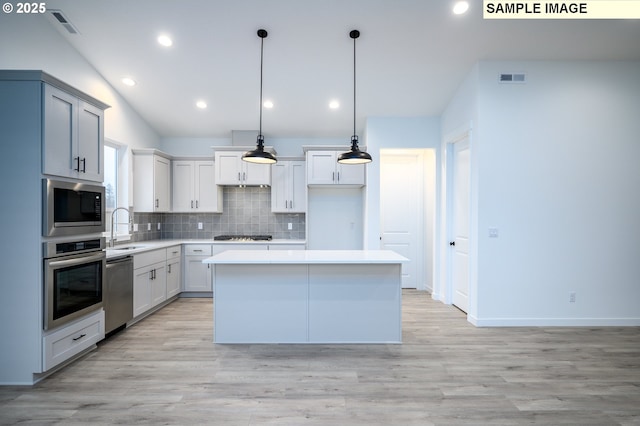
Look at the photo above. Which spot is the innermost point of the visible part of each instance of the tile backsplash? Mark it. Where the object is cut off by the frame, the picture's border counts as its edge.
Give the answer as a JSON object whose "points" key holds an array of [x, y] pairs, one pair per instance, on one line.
{"points": [[246, 211]]}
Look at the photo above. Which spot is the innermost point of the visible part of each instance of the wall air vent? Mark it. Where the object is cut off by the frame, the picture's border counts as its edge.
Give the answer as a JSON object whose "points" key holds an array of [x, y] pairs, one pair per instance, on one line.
{"points": [[512, 78], [59, 16]]}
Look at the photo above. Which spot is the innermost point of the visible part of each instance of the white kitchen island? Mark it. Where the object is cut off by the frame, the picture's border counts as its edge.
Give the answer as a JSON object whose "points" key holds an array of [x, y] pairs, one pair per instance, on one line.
{"points": [[307, 296]]}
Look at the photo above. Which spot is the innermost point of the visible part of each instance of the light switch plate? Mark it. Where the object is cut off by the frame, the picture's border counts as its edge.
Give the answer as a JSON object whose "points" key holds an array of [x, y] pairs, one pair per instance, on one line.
{"points": [[199, 225], [493, 232]]}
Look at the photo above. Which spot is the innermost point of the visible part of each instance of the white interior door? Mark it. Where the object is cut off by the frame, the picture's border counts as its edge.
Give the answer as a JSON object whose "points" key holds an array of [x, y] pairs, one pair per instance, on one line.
{"points": [[460, 217], [402, 209]]}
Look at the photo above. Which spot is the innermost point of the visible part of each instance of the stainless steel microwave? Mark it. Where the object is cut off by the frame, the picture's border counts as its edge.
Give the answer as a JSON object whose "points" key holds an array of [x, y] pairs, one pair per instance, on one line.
{"points": [[72, 208]]}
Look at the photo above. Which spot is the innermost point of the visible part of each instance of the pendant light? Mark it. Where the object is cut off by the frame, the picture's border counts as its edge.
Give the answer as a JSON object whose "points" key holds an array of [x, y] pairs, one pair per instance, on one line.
{"points": [[355, 156], [259, 155]]}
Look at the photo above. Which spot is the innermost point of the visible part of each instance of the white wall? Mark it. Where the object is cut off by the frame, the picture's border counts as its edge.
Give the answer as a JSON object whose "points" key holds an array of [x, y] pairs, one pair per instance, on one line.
{"points": [[557, 173], [31, 42]]}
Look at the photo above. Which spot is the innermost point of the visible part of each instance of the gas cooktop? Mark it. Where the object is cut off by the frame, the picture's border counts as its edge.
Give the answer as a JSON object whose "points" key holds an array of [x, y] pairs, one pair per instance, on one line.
{"points": [[242, 238]]}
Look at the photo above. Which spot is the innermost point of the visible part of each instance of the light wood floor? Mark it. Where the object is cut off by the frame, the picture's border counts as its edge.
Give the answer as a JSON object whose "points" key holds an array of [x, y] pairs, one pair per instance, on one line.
{"points": [[166, 370]]}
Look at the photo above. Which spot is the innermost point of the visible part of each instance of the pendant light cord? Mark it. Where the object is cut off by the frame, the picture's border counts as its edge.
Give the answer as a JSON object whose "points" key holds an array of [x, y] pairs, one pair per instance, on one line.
{"points": [[354, 86], [261, 56]]}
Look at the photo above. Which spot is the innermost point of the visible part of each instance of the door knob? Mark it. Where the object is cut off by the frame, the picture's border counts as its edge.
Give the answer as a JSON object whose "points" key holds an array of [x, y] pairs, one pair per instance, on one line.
{"points": [[452, 243]]}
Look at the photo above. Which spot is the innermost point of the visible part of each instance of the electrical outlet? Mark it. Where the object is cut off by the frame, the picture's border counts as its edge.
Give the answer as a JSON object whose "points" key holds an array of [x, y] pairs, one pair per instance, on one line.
{"points": [[572, 297], [148, 227], [135, 227], [493, 232], [290, 226], [158, 226], [200, 225]]}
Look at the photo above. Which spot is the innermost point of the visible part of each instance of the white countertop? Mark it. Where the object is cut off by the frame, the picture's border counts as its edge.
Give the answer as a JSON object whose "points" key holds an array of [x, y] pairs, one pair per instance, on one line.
{"points": [[305, 257], [143, 246]]}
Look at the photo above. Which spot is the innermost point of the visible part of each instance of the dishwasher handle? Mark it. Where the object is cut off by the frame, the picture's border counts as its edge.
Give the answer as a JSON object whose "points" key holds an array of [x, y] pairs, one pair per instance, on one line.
{"points": [[119, 260]]}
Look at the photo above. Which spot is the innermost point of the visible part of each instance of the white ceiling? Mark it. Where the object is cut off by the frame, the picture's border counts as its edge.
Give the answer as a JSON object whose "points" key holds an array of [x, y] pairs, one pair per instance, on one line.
{"points": [[411, 57]]}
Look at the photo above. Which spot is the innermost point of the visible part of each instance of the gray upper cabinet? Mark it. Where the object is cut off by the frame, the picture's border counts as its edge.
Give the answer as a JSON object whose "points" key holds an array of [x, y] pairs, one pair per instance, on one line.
{"points": [[73, 136]]}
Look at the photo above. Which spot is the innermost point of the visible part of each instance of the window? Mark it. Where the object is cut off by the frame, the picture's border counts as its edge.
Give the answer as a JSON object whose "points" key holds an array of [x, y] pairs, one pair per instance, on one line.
{"points": [[116, 178]]}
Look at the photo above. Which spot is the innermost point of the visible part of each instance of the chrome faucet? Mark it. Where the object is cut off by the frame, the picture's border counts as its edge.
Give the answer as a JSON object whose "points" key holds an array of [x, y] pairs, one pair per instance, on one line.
{"points": [[113, 240]]}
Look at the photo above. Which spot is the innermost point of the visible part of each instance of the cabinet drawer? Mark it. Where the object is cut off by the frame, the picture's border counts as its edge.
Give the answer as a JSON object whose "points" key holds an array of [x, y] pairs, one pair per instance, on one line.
{"points": [[197, 250], [141, 260], [219, 248], [286, 246], [69, 341], [174, 253]]}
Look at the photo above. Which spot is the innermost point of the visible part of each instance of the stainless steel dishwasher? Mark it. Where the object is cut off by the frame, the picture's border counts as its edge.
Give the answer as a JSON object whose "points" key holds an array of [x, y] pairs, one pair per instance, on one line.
{"points": [[118, 293]]}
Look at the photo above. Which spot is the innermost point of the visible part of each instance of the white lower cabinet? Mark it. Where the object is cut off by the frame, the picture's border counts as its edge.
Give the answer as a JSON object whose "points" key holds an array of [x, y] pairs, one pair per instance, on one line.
{"points": [[197, 275], [174, 270], [66, 342], [149, 280], [159, 284]]}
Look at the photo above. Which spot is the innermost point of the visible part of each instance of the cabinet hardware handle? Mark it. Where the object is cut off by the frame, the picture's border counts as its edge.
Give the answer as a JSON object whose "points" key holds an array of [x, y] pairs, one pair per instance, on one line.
{"points": [[79, 337], [452, 243], [191, 203], [244, 176], [239, 177], [198, 251], [157, 203], [338, 176], [168, 269], [333, 176], [196, 204], [151, 274], [84, 165], [174, 252], [77, 160]]}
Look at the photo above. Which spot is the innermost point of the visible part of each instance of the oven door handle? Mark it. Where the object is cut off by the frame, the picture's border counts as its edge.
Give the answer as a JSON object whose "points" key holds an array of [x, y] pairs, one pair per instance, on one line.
{"points": [[77, 260]]}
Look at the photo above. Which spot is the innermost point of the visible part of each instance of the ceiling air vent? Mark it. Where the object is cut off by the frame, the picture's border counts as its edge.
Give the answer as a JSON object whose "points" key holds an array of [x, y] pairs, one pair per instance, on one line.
{"points": [[59, 16], [512, 78]]}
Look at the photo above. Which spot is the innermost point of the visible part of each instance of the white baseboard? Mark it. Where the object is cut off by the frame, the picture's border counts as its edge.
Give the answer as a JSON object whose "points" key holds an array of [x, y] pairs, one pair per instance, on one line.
{"points": [[554, 322]]}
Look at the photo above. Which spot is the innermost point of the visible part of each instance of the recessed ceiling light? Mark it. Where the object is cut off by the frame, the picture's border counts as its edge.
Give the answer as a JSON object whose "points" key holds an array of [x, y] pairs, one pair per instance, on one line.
{"points": [[201, 104], [334, 104], [128, 81], [165, 40], [460, 7], [268, 104]]}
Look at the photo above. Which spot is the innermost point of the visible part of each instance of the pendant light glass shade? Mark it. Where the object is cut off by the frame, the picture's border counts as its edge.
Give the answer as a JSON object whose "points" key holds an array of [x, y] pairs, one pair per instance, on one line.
{"points": [[259, 155], [355, 156]]}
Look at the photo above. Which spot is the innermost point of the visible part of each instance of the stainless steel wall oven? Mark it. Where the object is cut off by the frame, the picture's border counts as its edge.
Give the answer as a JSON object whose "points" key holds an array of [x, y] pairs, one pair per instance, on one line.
{"points": [[74, 275], [72, 208]]}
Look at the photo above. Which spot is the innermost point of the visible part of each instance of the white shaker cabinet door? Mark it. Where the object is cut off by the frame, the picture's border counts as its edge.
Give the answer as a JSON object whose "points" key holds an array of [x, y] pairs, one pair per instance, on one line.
{"points": [[207, 195], [60, 137]]}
